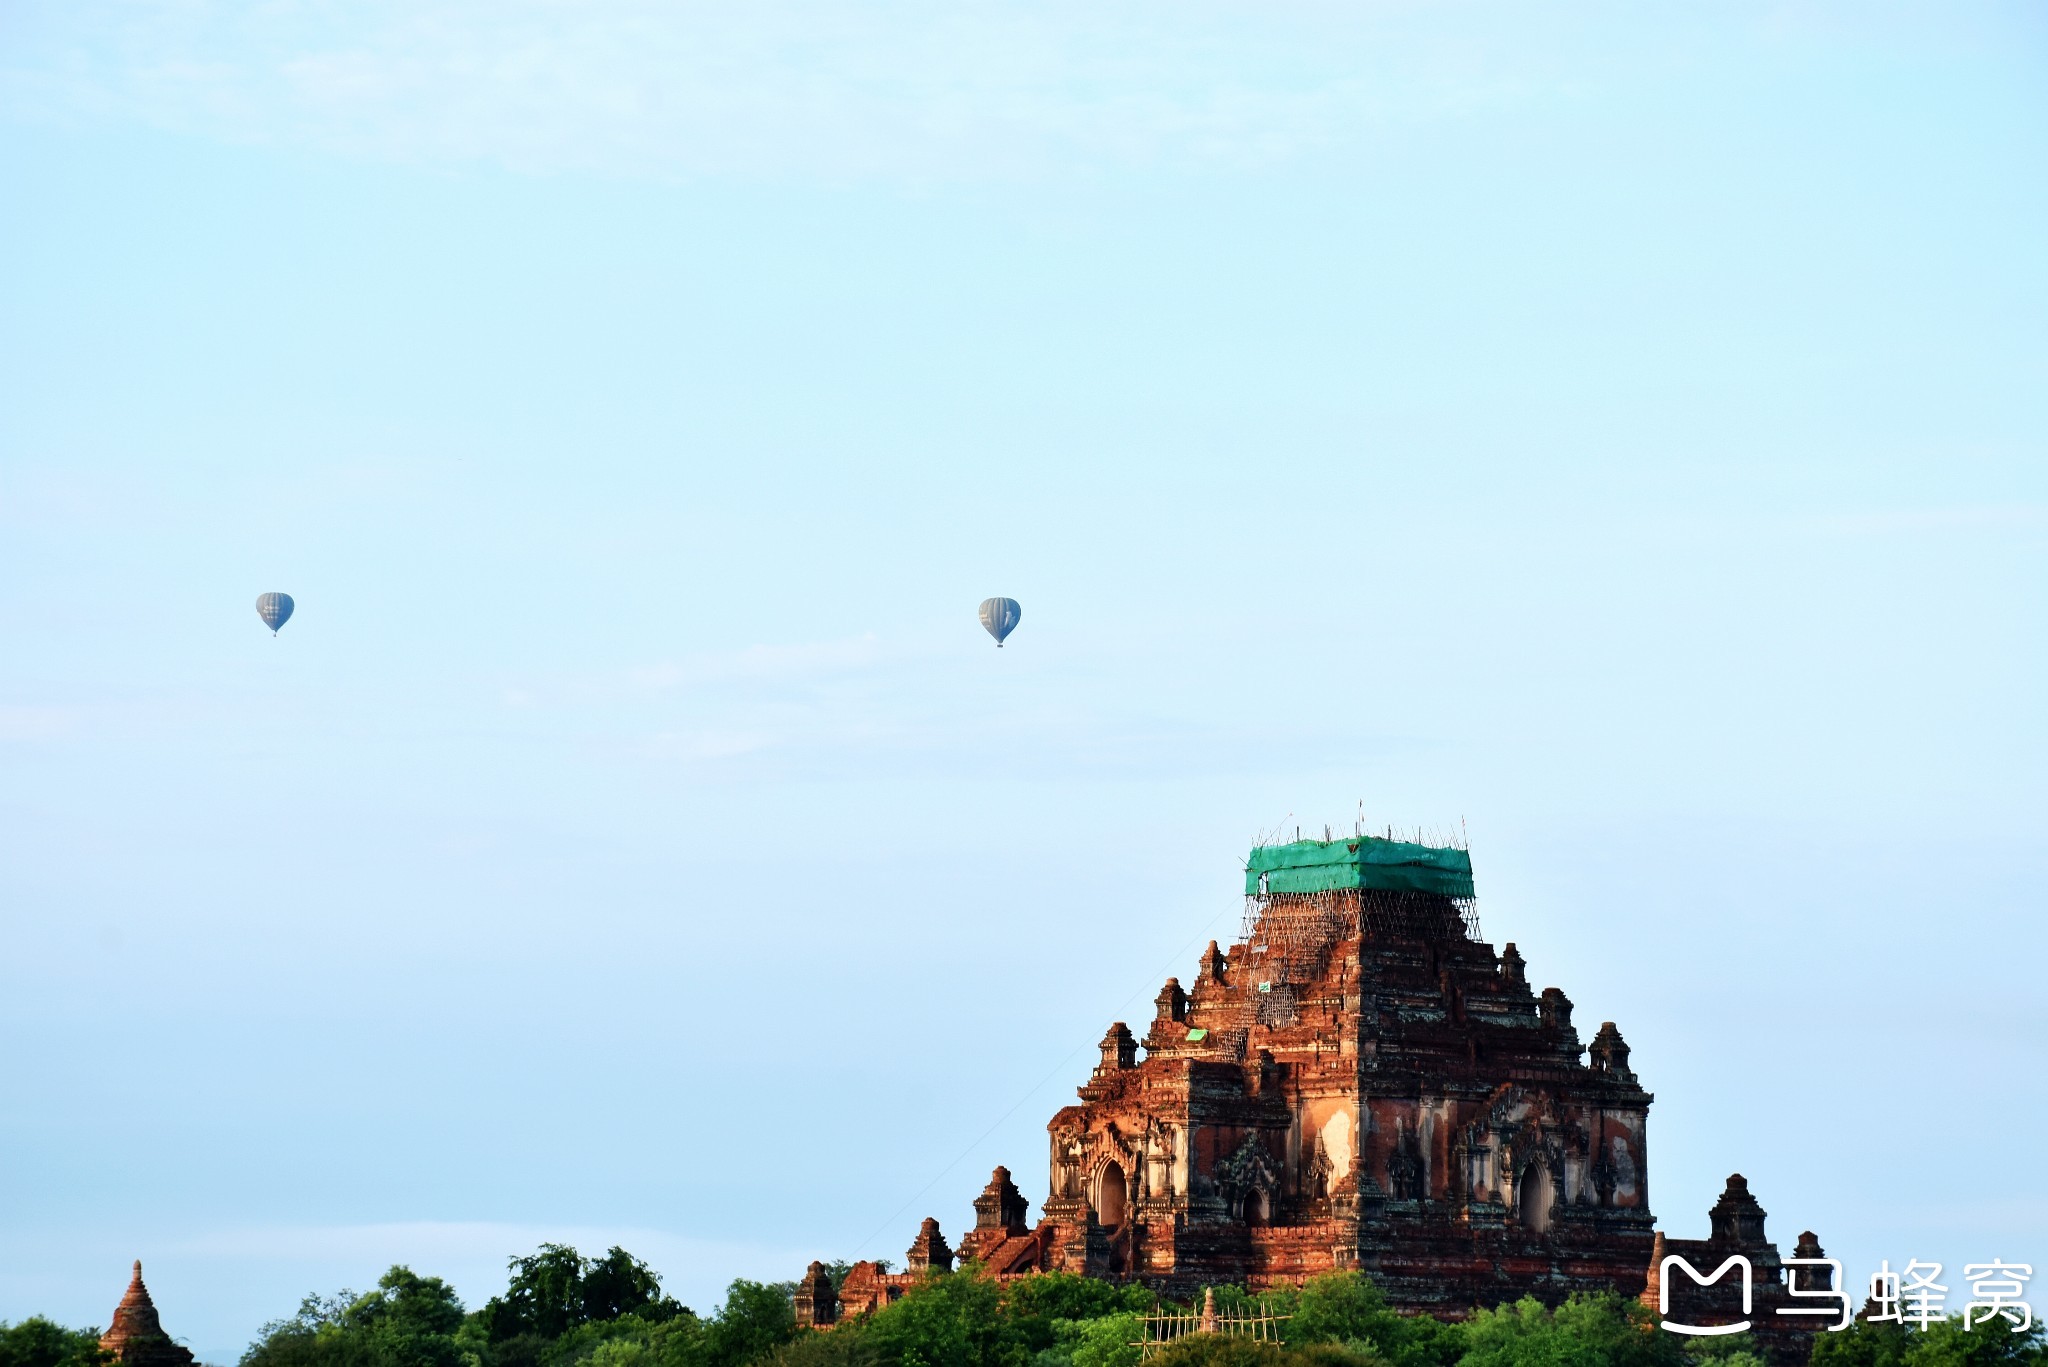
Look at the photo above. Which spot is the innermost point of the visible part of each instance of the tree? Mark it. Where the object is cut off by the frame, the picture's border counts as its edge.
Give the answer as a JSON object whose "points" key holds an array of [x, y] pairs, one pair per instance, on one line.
{"points": [[544, 1297], [1101, 1340], [631, 1341], [754, 1321], [1942, 1344], [1346, 1308], [1217, 1350], [1335, 1355], [1862, 1344], [1990, 1343], [1067, 1296], [620, 1284], [405, 1302], [408, 1321], [1084, 1320], [1586, 1331], [38, 1342], [946, 1321], [556, 1289], [310, 1337], [844, 1346]]}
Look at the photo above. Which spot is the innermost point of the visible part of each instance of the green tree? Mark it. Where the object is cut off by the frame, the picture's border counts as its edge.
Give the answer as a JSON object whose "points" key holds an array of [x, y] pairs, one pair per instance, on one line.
{"points": [[1586, 1331], [620, 1284], [1862, 1344], [1067, 1296], [38, 1342], [1989, 1343], [556, 1289], [755, 1320], [408, 1321], [408, 1303], [945, 1321], [559, 1310], [1724, 1350], [1335, 1355], [311, 1337], [632, 1341], [1097, 1341], [843, 1346], [1074, 1319], [1217, 1350], [544, 1299], [1346, 1308], [1942, 1344]]}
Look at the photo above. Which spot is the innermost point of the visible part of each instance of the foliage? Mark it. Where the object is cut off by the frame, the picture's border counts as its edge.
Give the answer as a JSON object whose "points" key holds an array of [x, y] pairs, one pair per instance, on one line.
{"points": [[1100, 1341], [1336, 1355], [633, 1342], [408, 1321], [559, 1310], [37, 1342], [1213, 1350], [1064, 1320], [1944, 1344], [556, 1290], [971, 1319], [1346, 1308], [949, 1321], [563, 1310], [1586, 1331], [844, 1346], [755, 1320], [1065, 1296], [1722, 1350]]}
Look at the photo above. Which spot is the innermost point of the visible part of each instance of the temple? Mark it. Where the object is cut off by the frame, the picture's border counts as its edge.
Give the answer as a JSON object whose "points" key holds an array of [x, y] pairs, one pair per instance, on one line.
{"points": [[1360, 1082], [136, 1338], [1777, 1315]]}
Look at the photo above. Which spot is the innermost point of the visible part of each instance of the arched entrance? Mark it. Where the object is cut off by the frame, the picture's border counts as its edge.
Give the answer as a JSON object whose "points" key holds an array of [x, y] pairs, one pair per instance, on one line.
{"points": [[1256, 1210], [1110, 1194], [1533, 1197]]}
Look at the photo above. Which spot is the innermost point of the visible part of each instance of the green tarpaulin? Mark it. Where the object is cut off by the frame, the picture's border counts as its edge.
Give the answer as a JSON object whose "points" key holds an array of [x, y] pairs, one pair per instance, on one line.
{"points": [[1365, 861]]}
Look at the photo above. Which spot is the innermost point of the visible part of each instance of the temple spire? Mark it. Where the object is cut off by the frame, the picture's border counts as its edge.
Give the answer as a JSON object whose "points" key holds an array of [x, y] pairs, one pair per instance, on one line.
{"points": [[136, 1338]]}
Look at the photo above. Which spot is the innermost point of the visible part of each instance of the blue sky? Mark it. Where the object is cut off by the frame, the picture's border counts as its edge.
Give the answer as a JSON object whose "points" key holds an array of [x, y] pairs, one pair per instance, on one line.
{"points": [[1618, 429]]}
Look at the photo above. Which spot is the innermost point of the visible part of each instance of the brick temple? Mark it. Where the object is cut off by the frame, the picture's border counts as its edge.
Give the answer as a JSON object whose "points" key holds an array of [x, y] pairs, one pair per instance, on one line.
{"points": [[136, 1338], [1360, 1082]]}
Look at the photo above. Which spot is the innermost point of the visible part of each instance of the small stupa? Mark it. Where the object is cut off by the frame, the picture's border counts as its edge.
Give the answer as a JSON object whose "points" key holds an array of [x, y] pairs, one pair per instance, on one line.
{"points": [[136, 1338]]}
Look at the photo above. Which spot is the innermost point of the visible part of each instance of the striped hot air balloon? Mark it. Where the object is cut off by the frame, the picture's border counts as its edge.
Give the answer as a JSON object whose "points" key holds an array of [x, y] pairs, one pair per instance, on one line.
{"points": [[1000, 616], [275, 609]]}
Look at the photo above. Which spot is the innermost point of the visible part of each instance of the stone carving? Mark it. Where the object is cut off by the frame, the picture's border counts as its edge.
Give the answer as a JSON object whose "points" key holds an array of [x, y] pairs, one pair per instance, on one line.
{"points": [[1404, 1170], [1249, 1171], [1315, 1178]]}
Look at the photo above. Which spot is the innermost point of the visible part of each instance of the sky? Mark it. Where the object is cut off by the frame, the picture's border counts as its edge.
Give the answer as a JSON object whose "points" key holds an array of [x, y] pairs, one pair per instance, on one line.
{"points": [[1615, 433]]}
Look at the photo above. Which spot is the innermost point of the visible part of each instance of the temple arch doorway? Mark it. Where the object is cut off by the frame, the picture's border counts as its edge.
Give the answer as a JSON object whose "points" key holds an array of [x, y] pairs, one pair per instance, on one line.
{"points": [[1534, 1196], [1111, 1193]]}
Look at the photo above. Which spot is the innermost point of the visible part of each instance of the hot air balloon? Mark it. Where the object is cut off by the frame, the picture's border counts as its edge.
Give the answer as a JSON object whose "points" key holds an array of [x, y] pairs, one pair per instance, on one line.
{"points": [[275, 609], [1000, 616]]}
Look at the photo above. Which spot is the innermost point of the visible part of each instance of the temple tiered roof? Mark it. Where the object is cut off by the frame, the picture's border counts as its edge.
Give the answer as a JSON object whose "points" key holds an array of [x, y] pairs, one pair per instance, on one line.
{"points": [[136, 1338]]}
